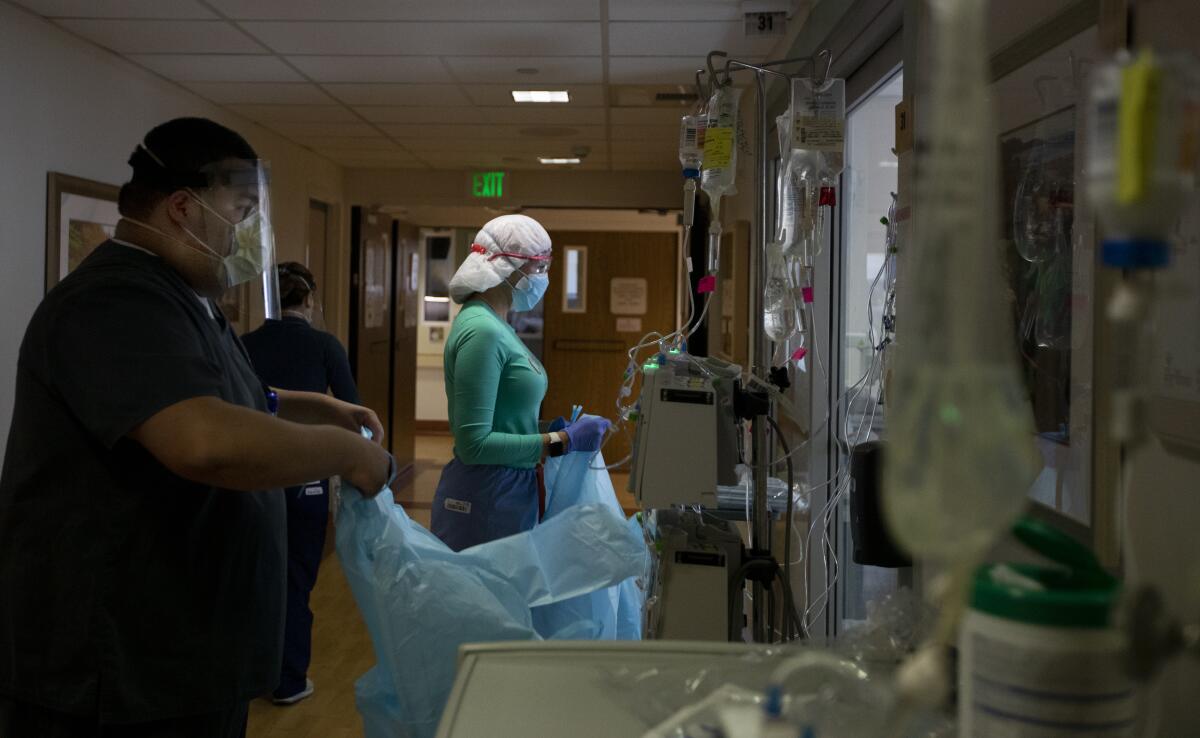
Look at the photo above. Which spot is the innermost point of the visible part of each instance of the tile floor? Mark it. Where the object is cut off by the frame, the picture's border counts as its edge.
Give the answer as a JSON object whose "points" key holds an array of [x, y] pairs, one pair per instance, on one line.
{"points": [[341, 646]]}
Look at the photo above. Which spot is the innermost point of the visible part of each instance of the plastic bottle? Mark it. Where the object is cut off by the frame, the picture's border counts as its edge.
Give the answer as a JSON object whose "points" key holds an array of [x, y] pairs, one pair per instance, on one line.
{"points": [[691, 144], [1039, 647], [691, 158], [1141, 154]]}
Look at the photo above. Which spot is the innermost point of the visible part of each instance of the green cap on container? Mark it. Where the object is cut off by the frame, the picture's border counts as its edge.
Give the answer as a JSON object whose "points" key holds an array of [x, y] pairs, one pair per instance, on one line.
{"points": [[1076, 593]]}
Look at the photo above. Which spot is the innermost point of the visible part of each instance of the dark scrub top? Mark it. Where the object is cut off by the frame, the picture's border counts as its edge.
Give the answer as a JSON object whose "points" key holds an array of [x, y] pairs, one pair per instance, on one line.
{"points": [[290, 354], [126, 592]]}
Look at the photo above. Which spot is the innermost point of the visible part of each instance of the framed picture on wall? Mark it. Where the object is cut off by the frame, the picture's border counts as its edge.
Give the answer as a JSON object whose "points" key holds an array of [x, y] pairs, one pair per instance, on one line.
{"points": [[80, 215], [1048, 245]]}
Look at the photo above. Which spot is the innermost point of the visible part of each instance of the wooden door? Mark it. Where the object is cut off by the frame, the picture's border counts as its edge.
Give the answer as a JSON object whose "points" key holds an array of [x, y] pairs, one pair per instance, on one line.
{"points": [[371, 310], [585, 352], [406, 249]]}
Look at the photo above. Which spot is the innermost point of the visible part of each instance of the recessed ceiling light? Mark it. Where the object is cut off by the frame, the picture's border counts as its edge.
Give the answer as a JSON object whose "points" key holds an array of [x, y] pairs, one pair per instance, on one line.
{"points": [[527, 70], [546, 160], [541, 96]]}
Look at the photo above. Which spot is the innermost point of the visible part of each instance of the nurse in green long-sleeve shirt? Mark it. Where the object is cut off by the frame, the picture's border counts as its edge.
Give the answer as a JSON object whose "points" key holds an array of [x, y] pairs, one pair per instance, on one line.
{"points": [[494, 388]]}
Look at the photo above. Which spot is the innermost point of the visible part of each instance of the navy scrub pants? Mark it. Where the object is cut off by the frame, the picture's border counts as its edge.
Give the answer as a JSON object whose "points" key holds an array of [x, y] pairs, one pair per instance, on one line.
{"points": [[307, 518]]}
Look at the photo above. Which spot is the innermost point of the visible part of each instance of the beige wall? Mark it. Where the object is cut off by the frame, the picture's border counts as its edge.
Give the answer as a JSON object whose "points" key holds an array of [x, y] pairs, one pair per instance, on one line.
{"points": [[74, 108], [524, 188]]}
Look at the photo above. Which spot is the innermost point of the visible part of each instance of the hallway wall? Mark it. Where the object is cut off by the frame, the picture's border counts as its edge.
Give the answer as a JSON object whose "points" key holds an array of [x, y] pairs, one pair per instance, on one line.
{"points": [[74, 108]]}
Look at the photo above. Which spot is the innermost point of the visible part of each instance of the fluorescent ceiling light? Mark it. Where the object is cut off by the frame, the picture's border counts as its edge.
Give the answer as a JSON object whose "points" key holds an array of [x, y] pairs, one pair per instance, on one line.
{"points": [[436, 299], [545, 160], [541, 96]]}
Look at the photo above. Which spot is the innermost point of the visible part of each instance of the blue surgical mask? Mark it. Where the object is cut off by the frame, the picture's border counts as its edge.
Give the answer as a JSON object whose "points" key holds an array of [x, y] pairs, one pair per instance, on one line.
{"points": [[529, 291]]}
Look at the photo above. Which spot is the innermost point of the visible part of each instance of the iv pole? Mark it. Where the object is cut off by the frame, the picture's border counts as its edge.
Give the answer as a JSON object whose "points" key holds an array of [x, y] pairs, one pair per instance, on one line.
{"points": [[760, 451]]}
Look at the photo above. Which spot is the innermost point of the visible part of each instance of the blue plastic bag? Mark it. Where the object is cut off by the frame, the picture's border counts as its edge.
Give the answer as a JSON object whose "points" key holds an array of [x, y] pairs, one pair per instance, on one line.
{"points": [[420, 600], [614, 613]]}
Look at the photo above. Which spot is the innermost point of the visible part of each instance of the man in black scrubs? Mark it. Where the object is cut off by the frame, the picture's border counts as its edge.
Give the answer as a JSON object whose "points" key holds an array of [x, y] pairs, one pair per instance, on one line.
{"points": [[142, 533]]}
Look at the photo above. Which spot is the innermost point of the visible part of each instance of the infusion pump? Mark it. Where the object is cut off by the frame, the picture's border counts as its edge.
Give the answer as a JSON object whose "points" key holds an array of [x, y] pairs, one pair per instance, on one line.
{"points": [[687, 432]]}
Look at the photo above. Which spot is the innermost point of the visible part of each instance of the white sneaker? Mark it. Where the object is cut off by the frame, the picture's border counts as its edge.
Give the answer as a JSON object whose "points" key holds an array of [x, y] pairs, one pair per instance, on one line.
{"points": [[293, 699]]}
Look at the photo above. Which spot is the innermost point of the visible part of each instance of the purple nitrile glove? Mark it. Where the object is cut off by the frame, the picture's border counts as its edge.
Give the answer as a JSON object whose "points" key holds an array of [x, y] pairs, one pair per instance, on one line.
{"points": [[587, 433]]}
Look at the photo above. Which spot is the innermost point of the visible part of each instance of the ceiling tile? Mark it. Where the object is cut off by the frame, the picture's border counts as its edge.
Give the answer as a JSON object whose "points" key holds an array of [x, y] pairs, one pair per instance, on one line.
{"points": [[218, 67], [413, 114], [164, 36], [295, 130], [429, 39], [650, 149], [118, 8], [394, 157], [278, 93], [407, 10], [694, 39], [485, 132], [568, 114], [295, 113], [397, 94], [654, 70], [642, 165], [646, 133], [347, 142], [430, 131], [551, 70], [426, 69], [673, 10], [544, 147], [584, 95], [658, 117]]}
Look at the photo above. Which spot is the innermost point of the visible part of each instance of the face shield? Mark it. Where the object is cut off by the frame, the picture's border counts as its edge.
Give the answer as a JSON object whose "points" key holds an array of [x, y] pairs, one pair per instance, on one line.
{"points": [[237, 226]]}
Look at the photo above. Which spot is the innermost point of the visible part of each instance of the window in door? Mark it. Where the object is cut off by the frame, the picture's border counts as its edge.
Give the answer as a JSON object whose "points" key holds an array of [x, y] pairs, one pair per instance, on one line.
{"points": [[868, 184]]}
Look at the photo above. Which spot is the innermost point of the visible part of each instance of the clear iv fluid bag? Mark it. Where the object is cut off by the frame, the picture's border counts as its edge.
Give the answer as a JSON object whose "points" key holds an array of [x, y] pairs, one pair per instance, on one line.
{"points": [[962, 455], [812, 142], [720, 146], [779, 302], [691, 143]]}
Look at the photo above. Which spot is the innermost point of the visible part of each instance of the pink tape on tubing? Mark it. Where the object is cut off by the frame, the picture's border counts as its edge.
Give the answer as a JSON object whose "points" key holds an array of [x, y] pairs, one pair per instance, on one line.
{"points": [[707, 283], [799, 353], [808, 293]]}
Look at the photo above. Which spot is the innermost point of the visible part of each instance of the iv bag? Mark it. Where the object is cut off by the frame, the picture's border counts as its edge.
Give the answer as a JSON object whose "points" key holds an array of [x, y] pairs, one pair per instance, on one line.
{"points": [[720, 146], [779, 302], [963, 458], [815, 155], [691, 143]]}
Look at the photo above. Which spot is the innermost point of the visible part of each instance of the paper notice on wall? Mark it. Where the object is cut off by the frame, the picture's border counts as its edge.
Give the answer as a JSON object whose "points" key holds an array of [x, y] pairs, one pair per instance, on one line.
{"points": [[628, 295], [629, 325]]}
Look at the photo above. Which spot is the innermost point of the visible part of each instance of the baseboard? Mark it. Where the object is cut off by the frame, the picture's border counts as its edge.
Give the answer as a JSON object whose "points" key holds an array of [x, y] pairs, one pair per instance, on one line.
{"points": [[432, 427]]}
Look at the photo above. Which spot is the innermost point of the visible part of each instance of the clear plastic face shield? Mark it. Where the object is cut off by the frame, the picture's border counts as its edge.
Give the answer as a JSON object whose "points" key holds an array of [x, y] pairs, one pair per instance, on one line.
{"points": [[237, 227]]}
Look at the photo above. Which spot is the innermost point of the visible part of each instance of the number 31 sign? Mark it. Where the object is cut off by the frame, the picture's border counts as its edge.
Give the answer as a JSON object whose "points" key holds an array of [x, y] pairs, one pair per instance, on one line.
{"points": [[766, 24]]}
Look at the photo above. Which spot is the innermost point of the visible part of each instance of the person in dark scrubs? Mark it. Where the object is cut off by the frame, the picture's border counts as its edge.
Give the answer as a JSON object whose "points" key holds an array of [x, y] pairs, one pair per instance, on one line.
{"points": [[291, 354], [142, 526]]}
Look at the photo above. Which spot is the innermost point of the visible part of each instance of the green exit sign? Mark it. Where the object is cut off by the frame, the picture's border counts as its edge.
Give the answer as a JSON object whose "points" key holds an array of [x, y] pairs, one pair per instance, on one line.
{"points": [[487, 184]]}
